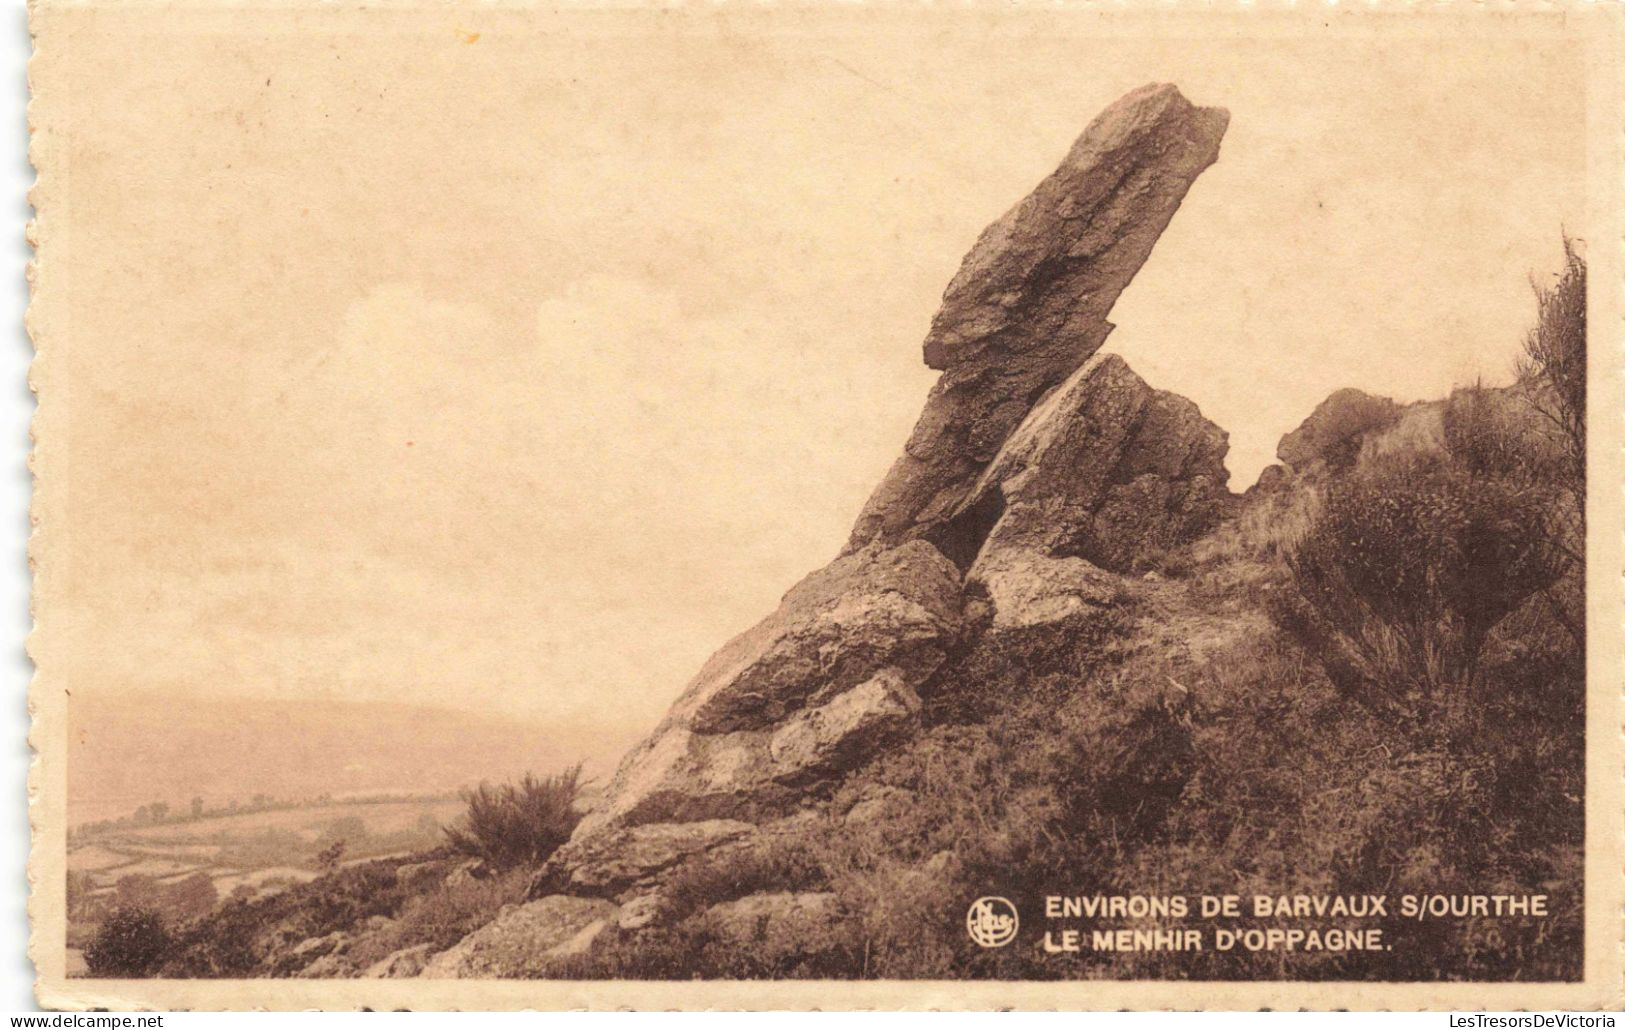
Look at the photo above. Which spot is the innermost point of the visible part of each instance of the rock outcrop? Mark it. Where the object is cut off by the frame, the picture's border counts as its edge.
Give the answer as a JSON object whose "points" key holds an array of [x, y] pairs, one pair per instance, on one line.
{"points": [[776, 920], [1030, 300], [524, 937], [1035, 477], [1332, 432], [1105, 469], [815, 686], [607, 863]]}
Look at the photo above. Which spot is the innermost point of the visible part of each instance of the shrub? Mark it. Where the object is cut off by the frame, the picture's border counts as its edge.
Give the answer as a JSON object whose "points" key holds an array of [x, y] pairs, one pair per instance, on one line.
{"points": [[249, 936], [1486, 437], [132, 942], [329, 857], [1407, 568], [1554, 359], [191, 898], [451, 911], [518, 824]]}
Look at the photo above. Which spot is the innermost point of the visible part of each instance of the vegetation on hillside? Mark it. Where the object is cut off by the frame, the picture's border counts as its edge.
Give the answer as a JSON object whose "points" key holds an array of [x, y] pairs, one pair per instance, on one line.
{"points": [[520, 823], [1368, 680], [432, 896]]}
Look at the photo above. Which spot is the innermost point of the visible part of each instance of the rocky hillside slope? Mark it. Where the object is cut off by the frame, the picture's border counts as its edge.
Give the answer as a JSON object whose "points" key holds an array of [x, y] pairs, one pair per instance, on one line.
{"points": [[1043, 664], [1038, 470]]}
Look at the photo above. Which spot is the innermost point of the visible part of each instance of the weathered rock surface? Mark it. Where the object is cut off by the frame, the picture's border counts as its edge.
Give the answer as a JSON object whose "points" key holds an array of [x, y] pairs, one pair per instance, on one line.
{"points": [[524, 937], [1030, 300], [841, 732], [1039, 471], [642, 911], [422, 875], [611, 861], [814, 687], [1104, 472], [407, 962], [1333, 431], [1030, 590], [775, 919]]}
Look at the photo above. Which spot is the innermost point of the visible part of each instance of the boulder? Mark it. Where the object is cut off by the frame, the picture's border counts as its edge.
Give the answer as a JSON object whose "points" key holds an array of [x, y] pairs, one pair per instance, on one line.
{"points": [[1333, 431], [841, 732], [837, 627], [807, 692], [523, 938], [1101, 475], [1030, 300], [1030, 590], [612, 861], [640, 912], [407, 962]]}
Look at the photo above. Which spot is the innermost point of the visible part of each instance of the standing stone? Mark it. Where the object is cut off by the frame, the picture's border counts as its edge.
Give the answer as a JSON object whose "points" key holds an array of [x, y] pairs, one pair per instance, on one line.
{"points": [[835, 675], [1029, 303]]}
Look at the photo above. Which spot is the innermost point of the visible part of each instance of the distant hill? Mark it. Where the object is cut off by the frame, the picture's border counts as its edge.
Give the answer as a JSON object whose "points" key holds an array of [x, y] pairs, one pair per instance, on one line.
{"points": [[144, 746]]}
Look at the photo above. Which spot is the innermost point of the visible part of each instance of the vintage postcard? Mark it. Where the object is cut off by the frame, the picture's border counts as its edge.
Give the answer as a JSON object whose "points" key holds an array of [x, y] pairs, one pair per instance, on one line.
{"points": [[848, 506]]}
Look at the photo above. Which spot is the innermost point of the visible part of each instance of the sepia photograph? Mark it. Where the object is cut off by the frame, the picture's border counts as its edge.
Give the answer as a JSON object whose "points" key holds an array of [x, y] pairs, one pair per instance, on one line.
{"points": [[855, 507]]}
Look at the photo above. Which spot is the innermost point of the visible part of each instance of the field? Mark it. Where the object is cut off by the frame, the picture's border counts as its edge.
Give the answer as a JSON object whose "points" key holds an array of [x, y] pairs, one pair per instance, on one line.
{"points": [[289, 839], [187, 866]]}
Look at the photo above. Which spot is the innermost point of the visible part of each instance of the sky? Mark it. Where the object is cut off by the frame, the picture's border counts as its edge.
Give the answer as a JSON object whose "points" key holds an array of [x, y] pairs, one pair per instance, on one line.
{"points": [[465, 359]]}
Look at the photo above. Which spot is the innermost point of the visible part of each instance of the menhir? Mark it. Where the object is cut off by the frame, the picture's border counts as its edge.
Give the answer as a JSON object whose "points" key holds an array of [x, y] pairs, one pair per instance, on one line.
{"points": [[1034, 474]]}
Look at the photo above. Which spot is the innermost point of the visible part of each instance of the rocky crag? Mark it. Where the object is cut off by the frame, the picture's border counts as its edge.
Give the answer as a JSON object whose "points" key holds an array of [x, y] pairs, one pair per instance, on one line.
{"points": [[1051, 653], [1039, 474]]}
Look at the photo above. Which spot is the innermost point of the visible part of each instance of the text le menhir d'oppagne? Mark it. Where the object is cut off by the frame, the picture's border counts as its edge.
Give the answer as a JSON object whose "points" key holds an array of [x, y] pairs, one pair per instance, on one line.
{"points": [[1297, 922]]}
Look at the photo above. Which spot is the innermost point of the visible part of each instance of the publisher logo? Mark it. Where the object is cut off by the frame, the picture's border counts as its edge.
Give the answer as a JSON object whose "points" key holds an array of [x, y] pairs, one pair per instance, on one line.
{"points": [[992, 922]]}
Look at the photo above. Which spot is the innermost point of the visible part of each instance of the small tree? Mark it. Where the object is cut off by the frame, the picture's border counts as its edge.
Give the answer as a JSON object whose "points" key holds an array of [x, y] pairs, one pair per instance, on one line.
{"points": [[132, 942], [1554, 361], [518, 824], [1552, 377], [136, 890], [329, 857]]}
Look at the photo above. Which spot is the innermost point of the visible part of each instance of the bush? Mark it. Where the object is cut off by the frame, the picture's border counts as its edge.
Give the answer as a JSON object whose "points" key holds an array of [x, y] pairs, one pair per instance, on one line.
{"points": [[450, 912], [250, 936], [132, 942], [1405, 571], [518, 824], [1554, 360], [1487, 434]]}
